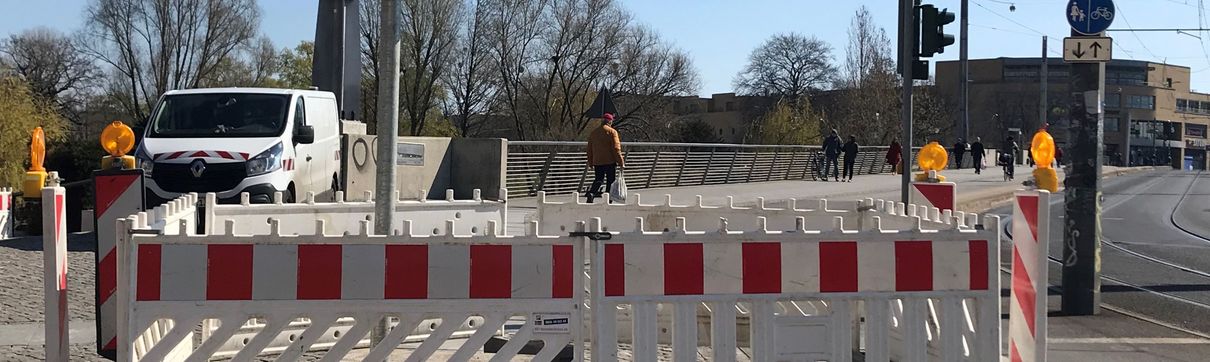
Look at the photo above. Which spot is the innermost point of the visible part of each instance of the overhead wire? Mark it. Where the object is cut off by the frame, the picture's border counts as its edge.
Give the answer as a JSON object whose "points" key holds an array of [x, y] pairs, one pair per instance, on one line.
{"points": [[1039, 33]]}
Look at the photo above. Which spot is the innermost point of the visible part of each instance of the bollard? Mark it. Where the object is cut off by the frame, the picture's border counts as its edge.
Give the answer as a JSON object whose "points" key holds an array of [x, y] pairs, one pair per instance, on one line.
{"points": [[54, 268]]}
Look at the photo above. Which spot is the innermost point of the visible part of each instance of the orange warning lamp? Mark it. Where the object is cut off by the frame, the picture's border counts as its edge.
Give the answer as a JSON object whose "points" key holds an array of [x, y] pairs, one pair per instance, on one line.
{"points": [[35, 178], [117, 139], [932, 158], [1042, 148]]}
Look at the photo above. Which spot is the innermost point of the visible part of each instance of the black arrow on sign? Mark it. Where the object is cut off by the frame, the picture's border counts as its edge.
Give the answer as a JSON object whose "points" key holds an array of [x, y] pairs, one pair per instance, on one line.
{"points": [[1079, 52], [1095, 47]]}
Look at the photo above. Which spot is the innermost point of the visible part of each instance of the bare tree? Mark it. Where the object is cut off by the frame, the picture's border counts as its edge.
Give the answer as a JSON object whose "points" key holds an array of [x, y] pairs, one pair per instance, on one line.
{"points": [[868, 53], [867, 101], [515, 27], [255, 64], [154, 46], [471, 79], [52, 64], [788, 66]]}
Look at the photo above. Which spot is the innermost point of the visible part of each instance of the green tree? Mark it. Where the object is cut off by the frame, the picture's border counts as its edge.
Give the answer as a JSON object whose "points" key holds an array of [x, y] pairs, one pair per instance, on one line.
{"points": [[23, 111], [695, 131], [789, 123], [295, 65]]}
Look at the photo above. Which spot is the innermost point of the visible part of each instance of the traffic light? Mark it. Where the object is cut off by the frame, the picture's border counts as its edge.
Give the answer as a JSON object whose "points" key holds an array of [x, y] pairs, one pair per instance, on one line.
{"points": [[933, 38]]}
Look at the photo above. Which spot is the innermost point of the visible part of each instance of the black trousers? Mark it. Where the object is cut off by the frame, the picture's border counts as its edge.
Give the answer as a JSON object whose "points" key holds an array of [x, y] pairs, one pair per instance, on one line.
{"points": [[977, 161], [602, 174], [831, 165], [958, 160], [849, 162]]}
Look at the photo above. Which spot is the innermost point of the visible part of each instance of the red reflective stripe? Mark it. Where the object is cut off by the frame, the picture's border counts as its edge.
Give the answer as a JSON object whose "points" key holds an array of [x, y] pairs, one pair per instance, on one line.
{"points": [[491, 271], [111, 345], [913, 266], [148, 277], [762, 268], [978, 263], [107, 280], [1023, 289], [229, 272], [109, 189], [683, 269], [174, 155], [615, 270], [562, 271], [157, 156], [1029, 209], [224, 154], [407, 269], [319, 271], [199, 154], [1013, 355], [838, 266], [244, 155], [940, 195]]}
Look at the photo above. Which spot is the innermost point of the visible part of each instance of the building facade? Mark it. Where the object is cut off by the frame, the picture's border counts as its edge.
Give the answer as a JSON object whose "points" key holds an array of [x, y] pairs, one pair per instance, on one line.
{"points": [[1152, 115], [731, 116]]}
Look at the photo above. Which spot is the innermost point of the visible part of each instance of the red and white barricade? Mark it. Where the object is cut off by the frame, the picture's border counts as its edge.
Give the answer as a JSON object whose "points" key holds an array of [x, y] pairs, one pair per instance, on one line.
{"points": [[346, 217], [1027, 301], [117, 194], [54, 269], [956, 268], [6, 213], [325, 277], [941, 195]]}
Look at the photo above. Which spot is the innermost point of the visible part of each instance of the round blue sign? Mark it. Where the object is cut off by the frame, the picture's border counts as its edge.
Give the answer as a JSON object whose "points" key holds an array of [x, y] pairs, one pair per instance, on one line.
{"points": [[1089, 17]]}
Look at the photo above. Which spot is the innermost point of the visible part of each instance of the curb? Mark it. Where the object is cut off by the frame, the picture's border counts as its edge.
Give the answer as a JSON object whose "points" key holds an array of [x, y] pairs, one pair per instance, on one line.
{"points": [[994, 198]]}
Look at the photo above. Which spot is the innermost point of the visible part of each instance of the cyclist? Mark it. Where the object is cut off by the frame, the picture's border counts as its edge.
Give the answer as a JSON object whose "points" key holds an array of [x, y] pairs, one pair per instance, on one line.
{"points": [[1008, 150]]}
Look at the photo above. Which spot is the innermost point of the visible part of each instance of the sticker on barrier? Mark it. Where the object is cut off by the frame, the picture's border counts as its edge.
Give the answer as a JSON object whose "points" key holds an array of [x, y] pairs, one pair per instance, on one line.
{"points": [[955, 268], [451, 277], [1027, 300]]}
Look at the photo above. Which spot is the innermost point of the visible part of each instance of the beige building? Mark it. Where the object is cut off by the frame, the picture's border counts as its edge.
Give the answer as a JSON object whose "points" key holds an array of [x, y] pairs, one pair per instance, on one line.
{"points": [[1152, 115], [730, 115]]}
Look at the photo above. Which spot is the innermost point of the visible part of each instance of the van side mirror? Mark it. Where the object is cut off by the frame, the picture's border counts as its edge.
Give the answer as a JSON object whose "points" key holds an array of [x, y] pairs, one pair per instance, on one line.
{"points": [[304, 135]]}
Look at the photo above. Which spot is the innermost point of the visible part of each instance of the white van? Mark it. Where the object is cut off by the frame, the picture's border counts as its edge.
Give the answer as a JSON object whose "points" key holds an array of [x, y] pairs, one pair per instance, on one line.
{"points": [[234, 140]]}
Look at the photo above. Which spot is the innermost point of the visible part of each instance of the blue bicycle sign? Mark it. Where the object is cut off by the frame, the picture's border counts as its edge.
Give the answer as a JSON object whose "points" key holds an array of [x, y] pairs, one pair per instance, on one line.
{"points": [[1089, 17]]}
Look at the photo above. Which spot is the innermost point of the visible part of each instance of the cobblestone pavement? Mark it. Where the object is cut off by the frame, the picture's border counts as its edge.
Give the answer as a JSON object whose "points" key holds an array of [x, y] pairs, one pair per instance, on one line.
{"points": [[79, 352], [21, 279]]}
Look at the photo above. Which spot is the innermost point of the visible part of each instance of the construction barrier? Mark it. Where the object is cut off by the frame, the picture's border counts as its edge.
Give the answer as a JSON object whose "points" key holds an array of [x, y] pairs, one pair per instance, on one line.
{"points": [[1027, 300], [941, 195], [6, 213], [451, 277], [956, 268], [116, 194], [54, 269], [346, 217]]}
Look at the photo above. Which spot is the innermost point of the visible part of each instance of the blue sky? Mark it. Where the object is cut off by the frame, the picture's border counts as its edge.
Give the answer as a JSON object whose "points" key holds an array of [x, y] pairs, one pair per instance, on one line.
{"points": [[720, 34]]}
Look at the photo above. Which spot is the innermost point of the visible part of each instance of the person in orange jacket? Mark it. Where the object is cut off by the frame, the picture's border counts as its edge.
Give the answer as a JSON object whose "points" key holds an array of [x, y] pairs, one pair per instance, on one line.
{"points": [[604, 155]]}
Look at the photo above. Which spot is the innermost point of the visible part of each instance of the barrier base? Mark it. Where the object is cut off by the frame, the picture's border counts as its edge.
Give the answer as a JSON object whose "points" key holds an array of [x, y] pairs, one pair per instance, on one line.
{"points": [[494, 345]]}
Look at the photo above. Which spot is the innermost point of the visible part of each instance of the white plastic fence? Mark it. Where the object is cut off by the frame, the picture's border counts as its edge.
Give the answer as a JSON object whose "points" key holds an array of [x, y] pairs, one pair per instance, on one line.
{"points": [[427, 216], [769, 275], [6, 213], [449, 278]]}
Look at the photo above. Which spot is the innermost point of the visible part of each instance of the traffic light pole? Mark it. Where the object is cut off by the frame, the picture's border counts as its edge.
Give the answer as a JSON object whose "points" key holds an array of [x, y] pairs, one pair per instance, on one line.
{"points": [[907, 54], [1082, 198]]}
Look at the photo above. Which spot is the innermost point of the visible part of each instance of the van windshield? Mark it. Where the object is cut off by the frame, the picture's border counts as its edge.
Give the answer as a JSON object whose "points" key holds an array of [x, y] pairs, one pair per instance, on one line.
{"points": [[220, 115]]}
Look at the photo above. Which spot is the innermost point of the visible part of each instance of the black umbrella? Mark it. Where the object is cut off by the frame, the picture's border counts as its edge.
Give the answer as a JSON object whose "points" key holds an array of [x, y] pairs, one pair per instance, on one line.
{"points": [[602, 105]]}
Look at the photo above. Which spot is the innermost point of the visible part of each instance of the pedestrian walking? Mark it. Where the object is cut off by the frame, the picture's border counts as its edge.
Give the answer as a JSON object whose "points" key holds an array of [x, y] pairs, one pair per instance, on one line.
{"points": [[850, 157], [893, 156], [959, 151], [1059, 157], [831, 150], [605, 156], [977, 153]]}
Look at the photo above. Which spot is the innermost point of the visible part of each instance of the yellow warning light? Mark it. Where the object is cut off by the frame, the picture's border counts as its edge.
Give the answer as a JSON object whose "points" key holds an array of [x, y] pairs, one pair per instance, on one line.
{"points": [[932, 157], [1042, 148], [35, 178], [117, 139]]}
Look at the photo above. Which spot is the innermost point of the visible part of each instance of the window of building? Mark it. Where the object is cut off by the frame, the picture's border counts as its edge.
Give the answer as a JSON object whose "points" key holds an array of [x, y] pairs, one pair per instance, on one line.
{"points": [[1195, 130], [1126, 75], [1182, 105], [1112, 124], [1140, 102], [1113, 100]]}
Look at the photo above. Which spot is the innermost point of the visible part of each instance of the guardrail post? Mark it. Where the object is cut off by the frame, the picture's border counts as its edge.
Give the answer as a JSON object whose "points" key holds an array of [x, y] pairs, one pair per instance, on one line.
{"points": [[709, 162], [684, 162], [731, 165], [651, 171], [752, 165], [550, 158], [806, 167]]}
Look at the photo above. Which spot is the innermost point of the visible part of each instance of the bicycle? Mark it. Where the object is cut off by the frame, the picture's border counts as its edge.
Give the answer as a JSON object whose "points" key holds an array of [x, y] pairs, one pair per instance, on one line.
{"points": [[1005, 161], [1102, 12]]}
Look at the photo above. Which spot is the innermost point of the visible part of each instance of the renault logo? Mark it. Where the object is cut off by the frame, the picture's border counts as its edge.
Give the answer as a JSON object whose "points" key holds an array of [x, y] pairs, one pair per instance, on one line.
{"points": [[197, 168]]}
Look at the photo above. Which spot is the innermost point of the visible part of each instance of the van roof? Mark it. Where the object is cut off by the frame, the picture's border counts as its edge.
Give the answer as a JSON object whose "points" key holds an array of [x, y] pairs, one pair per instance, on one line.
{"points": [[306, 92]]}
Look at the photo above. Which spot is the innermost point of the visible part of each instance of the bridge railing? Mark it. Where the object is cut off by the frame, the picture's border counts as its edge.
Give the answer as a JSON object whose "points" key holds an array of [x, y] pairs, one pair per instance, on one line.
{"points": [[561, 167]]}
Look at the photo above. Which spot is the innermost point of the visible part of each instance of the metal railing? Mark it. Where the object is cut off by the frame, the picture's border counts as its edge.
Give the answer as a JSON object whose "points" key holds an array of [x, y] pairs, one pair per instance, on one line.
{"points": [[561, 167]]}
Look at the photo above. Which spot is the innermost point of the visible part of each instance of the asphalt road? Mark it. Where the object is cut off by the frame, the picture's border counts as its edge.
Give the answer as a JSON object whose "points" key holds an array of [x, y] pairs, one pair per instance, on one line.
{"points": [[1155, 255]]}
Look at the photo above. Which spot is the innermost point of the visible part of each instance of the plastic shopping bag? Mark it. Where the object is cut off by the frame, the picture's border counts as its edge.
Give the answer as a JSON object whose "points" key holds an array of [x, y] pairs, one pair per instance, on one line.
{"points": [[617, 191]]}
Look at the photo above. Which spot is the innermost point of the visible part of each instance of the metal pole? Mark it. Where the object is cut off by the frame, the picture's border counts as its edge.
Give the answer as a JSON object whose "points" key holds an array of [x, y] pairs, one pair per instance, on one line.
{"points": [[907, 59], [1082, 199], [1044, 104], [964, 76], [388, 131]]}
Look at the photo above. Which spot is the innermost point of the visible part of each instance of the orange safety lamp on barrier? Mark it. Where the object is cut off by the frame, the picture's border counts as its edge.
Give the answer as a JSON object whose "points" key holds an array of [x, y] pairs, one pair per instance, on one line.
{"points": [[35, 178], [1042, 148], [932, 158], [117, 139]]}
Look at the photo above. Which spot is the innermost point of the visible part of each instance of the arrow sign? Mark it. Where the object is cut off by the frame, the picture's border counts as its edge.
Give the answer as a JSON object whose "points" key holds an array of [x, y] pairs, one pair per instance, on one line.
{"points": [[1087, 49]]}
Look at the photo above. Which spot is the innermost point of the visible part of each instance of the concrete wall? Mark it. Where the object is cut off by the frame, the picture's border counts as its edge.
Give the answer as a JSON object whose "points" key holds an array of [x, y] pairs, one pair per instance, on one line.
{"points": [[462, 165]]}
